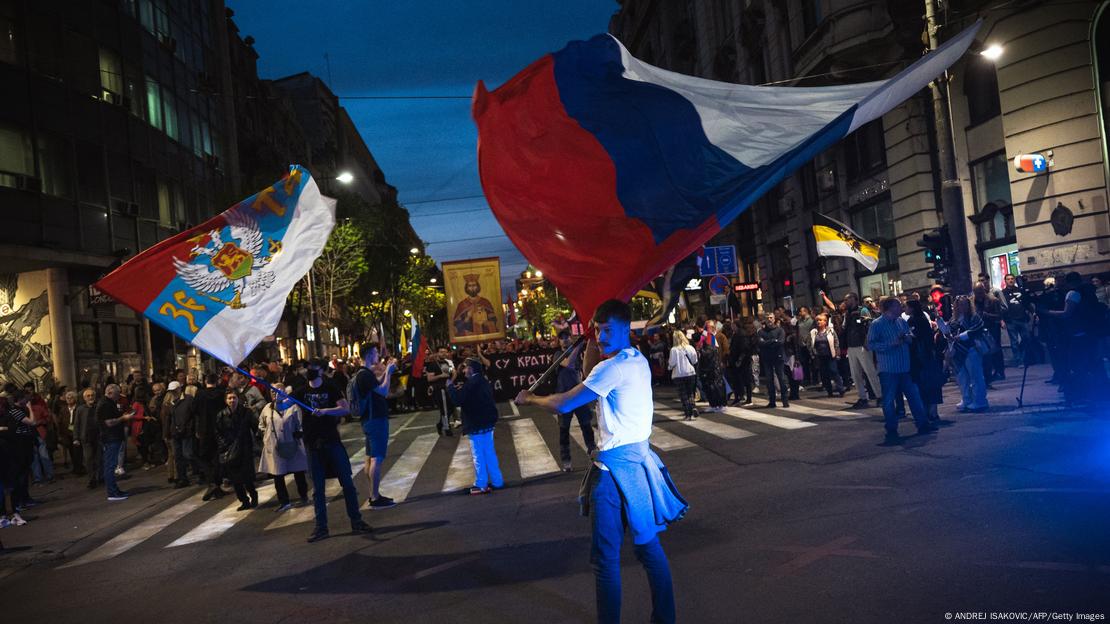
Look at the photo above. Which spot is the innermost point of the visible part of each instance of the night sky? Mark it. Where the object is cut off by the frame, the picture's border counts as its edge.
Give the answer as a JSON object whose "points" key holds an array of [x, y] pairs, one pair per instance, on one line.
{"points": [[426, 147]]}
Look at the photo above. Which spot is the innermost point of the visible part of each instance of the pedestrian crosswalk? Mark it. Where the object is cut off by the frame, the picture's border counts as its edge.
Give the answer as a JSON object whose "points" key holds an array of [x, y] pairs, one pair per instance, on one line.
{"points": [[528, 448]]}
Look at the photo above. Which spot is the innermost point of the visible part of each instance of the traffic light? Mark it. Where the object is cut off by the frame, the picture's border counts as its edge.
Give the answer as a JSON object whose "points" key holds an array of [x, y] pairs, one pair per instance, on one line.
{"points": [[938, 250]]}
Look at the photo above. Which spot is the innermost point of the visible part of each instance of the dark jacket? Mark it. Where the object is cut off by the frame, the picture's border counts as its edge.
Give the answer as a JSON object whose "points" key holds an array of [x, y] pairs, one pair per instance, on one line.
{"points": [[235, 437], [770, 341], [206, 405], [182, 418], [475, 397], [857, 322], [85, 428], [107, 409]]}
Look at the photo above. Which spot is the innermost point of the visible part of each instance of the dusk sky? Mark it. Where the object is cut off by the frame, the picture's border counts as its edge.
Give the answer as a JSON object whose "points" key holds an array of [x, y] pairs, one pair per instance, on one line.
{"points": [[426, 147]]}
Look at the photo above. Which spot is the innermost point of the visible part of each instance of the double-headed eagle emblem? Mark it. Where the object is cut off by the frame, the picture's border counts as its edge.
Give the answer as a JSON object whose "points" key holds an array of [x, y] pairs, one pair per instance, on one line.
{"points": [[239, 266]]}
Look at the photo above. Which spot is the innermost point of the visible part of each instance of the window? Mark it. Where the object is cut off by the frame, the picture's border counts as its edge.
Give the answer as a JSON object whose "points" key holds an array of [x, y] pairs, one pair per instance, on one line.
{"points": [[811, 16], [865, 150], [9, 48], [16, 157], [808, 180], [111, 77], [90, 174], [84, 337], [981, 89], [55, 166], [990, 181], [128, 338], [178, 203], [153, 103], [169, 105], [134, 94], [165, 209], [198, 138], [875, 222]]}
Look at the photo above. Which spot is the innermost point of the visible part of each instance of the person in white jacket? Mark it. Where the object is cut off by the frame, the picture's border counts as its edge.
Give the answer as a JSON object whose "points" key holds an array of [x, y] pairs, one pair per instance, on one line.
{"points": [[683, 365], [825, 347], [283, 450]]}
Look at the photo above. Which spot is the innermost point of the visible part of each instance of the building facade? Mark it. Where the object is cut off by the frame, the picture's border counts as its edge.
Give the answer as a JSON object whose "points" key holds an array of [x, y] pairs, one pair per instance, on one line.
{"points": [[1045, 92], [123, 126]]}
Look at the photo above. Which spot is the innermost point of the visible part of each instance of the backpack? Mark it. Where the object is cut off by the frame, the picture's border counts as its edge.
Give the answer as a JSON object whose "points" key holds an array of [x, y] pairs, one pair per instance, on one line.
{"points": [[362, 405]]}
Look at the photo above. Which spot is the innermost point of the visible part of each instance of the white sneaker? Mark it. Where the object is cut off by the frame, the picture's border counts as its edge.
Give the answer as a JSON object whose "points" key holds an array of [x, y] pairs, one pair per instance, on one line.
{"points": [[17, 520], [119, 472]]}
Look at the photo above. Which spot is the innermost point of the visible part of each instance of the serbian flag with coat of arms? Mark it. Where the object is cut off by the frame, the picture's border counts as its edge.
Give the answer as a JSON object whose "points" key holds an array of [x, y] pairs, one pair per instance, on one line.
{"points": [[604, 171], [222, 285]]}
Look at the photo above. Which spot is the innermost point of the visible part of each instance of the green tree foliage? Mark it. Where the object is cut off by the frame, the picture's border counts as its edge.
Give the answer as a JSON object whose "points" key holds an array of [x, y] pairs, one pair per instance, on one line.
{"points": [[339, 269]]}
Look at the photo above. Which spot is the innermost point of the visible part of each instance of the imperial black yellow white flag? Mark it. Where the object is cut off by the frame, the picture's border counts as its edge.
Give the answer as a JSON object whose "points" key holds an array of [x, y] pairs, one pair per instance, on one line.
{"points": [[836, 239]]}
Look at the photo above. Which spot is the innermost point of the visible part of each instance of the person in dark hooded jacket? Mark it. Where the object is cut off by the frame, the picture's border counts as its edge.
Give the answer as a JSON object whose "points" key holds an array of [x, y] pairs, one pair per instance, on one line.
{"points": [[208, 403], [235, 444], [479, 415]]}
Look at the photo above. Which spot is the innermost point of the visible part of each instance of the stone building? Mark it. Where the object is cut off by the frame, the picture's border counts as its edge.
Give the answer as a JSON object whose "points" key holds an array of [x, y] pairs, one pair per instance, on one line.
{"points": [[1042, 93]]}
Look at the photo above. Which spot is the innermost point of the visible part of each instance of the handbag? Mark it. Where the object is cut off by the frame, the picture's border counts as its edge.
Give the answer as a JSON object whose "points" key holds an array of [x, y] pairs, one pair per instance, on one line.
{"points": [[231, 453], [286, 449], [798, 373]]}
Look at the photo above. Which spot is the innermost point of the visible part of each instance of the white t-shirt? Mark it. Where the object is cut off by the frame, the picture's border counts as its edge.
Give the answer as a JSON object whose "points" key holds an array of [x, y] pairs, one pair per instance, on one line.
{"points": [[623, 386]]}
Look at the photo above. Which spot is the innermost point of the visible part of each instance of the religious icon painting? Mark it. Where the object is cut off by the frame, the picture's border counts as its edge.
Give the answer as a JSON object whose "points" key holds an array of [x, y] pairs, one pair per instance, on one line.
{"points": [[471, 287]]}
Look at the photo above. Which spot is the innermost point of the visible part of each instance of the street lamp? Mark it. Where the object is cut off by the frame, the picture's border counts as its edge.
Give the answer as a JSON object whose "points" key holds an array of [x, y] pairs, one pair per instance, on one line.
{"points": [[414, 251], [433, 280], [345, 177], [374, 293], [539, 273], [992, 53]]}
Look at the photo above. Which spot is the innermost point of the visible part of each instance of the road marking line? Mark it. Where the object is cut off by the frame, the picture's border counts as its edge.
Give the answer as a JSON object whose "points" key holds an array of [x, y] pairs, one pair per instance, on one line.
{"points": [[827, 413], [460, 474], [441, 567], [402, 474], [532, 453], [667, 441], [139, 533], [332, 489], [516, 410], [711, 427], [811, 554], [767, 419], [220, 523]]}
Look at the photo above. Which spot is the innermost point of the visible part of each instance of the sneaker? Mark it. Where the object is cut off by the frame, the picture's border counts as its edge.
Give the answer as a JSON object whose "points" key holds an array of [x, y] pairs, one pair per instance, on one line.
{"points": [[302, 503], [283, 508], [244, 507], [118, 497], [361, 527], [382, 502], [4, 522], [317, 535], [860, 404], [891, 439], [927, 429], [17, 520], [567, 467], [119, 472], [475, 491]]}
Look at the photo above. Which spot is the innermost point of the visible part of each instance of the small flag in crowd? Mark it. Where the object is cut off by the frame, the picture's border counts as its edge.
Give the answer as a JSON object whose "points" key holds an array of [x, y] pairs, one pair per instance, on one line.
{"points": [[419, 346], [836, 239], [604, 170], [222, 285], [670, 285]]}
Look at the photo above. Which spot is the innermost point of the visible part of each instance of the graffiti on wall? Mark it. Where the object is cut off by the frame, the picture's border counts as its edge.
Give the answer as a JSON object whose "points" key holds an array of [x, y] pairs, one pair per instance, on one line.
{"points": [[25, 340]]}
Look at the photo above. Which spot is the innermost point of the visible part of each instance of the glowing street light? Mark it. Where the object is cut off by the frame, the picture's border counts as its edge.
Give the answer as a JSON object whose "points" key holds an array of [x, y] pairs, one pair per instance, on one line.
{"points": [[993, 52], [433, 280], [414, 251], [539, 273], [374, 293], [345, 177]]}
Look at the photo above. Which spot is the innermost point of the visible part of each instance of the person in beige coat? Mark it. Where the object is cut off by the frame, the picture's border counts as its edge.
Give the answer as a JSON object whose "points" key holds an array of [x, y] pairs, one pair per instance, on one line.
{"points": [[283, 450]]}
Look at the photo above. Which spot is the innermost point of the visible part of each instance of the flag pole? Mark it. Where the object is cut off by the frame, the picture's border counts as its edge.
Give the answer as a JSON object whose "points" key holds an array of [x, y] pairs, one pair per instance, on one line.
{"points": [[268, 385], [555, 363]]}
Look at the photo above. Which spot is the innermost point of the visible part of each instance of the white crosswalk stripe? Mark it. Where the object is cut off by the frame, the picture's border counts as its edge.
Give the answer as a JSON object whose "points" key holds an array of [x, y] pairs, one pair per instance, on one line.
{"points": [[332, 489], [827, 413], [397, 483], [139, 533], [222, 522], [711, 427], [667, 441], [532, 452], [575, 432], [781, 422], [460, 474]]}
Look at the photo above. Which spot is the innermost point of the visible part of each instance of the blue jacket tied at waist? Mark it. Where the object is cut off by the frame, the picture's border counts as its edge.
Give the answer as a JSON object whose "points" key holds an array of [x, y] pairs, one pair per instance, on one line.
{"points": [[651, 500]]}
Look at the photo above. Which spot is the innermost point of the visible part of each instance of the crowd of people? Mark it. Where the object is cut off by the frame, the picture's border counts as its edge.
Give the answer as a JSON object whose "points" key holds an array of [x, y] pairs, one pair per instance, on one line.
{"points": [[228, 430]]}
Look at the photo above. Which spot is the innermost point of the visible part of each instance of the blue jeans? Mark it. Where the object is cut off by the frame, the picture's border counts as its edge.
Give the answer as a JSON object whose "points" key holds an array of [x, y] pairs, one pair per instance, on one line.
{"points": [[1019, 333], [607, 512], [486, 469], [334, 454], [109, 454], [183, 457], [893, 386], [42, 467]]}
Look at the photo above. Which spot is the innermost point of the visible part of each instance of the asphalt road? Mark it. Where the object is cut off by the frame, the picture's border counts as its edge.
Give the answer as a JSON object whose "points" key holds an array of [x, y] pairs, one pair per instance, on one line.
{"points": [[796, 516]]}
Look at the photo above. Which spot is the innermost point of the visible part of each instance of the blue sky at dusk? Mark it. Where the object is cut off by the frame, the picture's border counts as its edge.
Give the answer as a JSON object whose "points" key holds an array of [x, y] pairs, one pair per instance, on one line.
{"points": [[426, 147]]}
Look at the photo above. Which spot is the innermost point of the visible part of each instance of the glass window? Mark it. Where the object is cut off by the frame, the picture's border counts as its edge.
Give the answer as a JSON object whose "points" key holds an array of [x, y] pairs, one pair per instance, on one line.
{"points": [[111, 76], [865, 150], [981, 90], [146, 15], [134, 94], [875, 222], [990, 181], [108, 337], [90, 174], [153, 103], [9, 48], [128, 338], [178, 203], [198, 135], [84, 337], [16, 156], [170, 107], [55, 166], [165, 210]]}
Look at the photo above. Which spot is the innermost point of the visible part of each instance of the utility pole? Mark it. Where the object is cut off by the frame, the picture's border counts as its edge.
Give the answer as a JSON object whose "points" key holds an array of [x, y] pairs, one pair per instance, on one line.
{"points": [[951, 195]]}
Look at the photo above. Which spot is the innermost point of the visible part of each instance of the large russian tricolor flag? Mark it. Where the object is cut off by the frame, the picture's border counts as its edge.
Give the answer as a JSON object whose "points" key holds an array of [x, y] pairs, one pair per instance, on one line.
{"points": [[604, 171], [222, 284]]}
